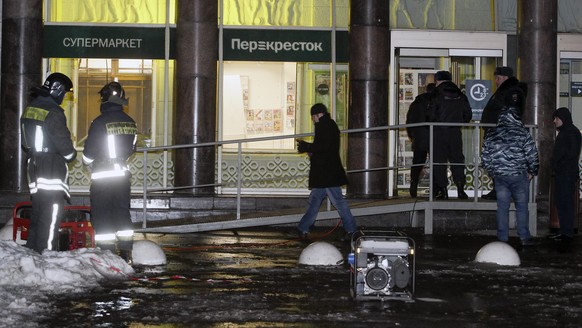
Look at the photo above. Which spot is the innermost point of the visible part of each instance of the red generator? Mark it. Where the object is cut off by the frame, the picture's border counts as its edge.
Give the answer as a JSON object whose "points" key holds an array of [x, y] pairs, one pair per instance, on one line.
{"points": [[75, 230]]}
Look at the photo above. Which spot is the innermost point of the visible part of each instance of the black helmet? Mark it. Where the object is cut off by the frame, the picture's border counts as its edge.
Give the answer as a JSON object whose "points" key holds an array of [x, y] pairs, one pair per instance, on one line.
{"points": [[57, 85], [113, 92]]}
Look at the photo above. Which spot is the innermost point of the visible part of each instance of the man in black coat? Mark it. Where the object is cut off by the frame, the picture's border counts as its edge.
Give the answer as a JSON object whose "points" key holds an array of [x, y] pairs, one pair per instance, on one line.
{"points": [[510, 93], [449, 105], [564, 162], [419, 135], [326, 174]]}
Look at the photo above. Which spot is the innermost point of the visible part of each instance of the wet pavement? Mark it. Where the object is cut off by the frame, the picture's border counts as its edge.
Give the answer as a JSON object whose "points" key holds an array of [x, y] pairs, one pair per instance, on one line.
{"points": [[251, 278]]}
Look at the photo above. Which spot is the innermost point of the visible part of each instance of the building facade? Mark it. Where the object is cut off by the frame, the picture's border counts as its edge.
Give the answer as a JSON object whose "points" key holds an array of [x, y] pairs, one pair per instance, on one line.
{"points": [[239, 76]]}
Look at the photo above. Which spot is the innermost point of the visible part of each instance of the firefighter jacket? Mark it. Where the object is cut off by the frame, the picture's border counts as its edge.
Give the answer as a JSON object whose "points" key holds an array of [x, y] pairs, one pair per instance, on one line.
{"points": [[111, 141], [47, 142]]}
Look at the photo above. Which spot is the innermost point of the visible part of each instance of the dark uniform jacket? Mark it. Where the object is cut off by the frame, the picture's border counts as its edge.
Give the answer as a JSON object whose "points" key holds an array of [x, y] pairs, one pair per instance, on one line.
{"points": [[510, 93], [566, 153], [47, 141], [449, 104], [111, 141], [418, 113], [326, 166]]}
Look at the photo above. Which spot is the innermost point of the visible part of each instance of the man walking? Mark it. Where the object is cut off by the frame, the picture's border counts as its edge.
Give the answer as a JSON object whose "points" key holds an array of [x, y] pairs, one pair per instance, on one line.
{"points": [[510, 156], [326, 174]]}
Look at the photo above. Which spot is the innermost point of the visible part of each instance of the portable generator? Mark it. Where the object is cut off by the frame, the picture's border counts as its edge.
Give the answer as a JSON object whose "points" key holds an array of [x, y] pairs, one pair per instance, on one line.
{"points": [[75, 230], [382, 266]]}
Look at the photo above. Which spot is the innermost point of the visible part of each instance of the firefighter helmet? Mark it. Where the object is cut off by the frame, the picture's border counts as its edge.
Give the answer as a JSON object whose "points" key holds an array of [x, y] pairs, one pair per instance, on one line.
{"points": [[57, 85], [113, 92]]}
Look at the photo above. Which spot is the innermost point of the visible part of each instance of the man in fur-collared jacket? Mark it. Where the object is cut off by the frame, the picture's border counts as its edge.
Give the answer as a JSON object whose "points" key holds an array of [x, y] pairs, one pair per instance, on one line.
{"points": [[510, 93]]}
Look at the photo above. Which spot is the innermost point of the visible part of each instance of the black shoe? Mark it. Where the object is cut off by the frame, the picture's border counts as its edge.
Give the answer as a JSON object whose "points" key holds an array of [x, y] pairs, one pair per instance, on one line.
{"points": [[492, 195], [302, 235], [441, 194], [463, 194], [561, 237], [555, 236], [528, 242]]}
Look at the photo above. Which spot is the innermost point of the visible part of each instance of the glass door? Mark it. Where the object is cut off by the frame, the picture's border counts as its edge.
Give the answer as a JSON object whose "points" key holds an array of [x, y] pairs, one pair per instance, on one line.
{"points": [[472, 71]]}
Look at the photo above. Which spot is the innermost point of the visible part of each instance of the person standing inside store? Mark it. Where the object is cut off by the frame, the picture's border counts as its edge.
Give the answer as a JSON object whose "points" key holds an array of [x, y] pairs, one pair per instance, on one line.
{"points": [[510, 156], [510, 93], [419, 135], [448, 105], [48, 145], [111, 141], [326, 173], [564, 163]]}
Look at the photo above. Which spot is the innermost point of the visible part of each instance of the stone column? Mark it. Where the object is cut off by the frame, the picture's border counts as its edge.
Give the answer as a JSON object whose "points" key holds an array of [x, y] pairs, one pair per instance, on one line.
{"points": [[537, 42], [196, 70], [369, 51], [21, 70]]}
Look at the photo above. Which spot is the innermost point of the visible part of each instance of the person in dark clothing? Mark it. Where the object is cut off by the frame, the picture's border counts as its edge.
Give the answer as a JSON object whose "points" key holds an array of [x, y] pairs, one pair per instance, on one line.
{"points": [[564, 163], [510, 93], [111, 141], [47, 142], [448, 105], [326, 174], [418, 113]]}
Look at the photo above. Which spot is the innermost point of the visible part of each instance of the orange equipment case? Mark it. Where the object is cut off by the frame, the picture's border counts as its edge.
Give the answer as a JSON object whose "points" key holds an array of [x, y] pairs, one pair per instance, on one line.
{"points": [[75, 230]]}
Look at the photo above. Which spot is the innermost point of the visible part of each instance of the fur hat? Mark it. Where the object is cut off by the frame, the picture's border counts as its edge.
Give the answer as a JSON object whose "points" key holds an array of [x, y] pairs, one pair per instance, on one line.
{"points": [[443, 76], [504, 71], [318, 108]]}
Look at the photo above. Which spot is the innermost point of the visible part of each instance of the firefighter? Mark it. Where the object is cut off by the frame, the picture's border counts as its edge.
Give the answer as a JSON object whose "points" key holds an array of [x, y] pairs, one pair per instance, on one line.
{"points": [[111, 141], [47, 142]]}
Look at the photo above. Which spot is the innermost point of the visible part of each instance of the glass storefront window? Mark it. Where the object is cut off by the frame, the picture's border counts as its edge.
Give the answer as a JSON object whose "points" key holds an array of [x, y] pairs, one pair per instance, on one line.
{"points": [[136, 78], [260, 100], [110, 11]]}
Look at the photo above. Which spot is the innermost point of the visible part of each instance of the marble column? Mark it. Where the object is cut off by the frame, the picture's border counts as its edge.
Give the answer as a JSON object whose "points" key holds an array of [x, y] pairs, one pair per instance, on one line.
{"points": [[21, 69], [369, 52], [537, 42], [196, 76]]}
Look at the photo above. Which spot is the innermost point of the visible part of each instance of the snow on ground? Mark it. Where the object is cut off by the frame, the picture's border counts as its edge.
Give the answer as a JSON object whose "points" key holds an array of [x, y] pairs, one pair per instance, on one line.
{"points": [[28, 279]]}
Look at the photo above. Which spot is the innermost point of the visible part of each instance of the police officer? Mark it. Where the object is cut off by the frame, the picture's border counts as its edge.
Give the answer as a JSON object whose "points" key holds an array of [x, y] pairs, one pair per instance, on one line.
{"points": [[111, 141], [48, 145], [510, 93]]}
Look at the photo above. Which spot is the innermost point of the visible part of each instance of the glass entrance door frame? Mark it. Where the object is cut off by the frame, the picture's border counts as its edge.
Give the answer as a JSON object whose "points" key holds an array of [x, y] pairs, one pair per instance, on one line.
{"points": [[569, 47], [440, 43]]}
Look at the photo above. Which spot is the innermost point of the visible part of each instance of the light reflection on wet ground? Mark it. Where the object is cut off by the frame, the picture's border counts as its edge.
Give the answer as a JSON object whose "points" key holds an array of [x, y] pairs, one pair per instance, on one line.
{"points": [[251, 279]]}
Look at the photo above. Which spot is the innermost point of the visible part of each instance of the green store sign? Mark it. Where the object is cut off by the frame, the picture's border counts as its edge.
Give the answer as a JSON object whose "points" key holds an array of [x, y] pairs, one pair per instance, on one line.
{"points": [[71, 41]]}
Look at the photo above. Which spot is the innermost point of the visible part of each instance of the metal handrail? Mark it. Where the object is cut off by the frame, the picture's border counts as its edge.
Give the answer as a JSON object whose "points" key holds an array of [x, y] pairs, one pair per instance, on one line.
{"points": [[476, 136]]}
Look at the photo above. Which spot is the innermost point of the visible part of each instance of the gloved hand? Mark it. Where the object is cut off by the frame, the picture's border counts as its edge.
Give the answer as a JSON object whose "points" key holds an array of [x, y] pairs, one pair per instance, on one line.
{"points": [[303, 146]]}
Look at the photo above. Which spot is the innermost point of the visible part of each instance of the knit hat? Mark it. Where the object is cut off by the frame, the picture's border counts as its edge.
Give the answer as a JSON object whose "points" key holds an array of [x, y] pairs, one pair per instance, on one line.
{"points": [[504, 71], [443, 76], [318, 108]]}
